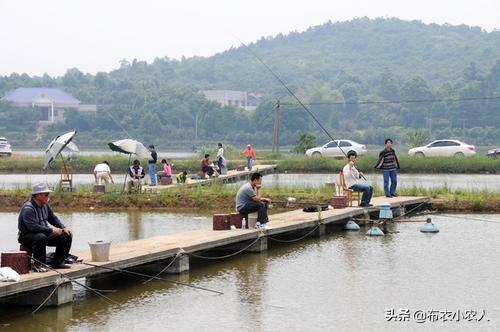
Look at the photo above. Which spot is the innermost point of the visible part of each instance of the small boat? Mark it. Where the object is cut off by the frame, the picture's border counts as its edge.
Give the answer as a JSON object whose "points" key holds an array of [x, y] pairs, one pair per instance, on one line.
{"points": [[5, 149]]}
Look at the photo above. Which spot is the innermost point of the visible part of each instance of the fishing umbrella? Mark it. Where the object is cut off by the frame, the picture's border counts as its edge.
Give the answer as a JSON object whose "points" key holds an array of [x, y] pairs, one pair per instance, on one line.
{"points": [[57, 145], [130, 147]]}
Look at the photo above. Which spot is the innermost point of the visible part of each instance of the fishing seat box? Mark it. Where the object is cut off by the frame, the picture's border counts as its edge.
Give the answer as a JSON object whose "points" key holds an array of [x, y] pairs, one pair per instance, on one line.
{"points": [[99, 188], [221, 222], [240, 168], [165, 181], [19, 261], [236, 219], [339, 202]]}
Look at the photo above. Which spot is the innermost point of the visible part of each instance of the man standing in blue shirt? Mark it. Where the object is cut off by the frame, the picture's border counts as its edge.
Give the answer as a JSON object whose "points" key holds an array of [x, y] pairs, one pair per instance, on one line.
{"points": [[152, 164], [389, 164]]}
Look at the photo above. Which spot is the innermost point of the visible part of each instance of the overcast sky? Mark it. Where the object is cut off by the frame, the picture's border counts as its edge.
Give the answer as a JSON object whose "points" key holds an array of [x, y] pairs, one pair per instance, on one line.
{"points": [[50, 36]]}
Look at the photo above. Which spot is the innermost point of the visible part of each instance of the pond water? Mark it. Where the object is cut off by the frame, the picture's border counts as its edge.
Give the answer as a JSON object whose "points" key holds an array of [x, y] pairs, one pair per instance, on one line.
{"points": [[489, 182], [344, 281]]}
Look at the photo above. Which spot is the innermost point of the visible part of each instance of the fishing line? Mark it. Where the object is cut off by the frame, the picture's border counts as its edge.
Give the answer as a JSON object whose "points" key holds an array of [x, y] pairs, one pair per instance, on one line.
{"points": [[132, 273]]}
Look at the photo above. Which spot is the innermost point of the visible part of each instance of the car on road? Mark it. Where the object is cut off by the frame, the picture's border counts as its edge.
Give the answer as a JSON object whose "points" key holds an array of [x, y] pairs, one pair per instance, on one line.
{"points": [[338, 148], [444, 148], [5, 148], [494, 153]]}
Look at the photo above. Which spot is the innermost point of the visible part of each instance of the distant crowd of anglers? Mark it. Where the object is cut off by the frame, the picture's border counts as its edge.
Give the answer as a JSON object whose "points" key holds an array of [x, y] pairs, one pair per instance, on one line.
{"points": [[214, 168], [39, 226]]}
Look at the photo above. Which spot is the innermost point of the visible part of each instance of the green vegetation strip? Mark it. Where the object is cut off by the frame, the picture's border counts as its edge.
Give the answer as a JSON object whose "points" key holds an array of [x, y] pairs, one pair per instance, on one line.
{"points": [[289, 163], [219, 198]]}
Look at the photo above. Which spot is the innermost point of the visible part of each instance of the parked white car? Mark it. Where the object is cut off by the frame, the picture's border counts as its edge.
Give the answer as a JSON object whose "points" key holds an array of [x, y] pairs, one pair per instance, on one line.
{"points": [[335, 148], [5, 149], [444, 148]]}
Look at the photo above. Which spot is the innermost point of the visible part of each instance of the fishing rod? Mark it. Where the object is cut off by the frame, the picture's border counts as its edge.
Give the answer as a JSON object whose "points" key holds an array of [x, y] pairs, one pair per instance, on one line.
{"points": [[93, 290], [132, 273], [296, 98]]}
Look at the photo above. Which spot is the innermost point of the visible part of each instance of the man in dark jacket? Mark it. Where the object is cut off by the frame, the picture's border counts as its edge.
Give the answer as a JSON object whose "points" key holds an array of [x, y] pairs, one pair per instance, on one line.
{"points": [[388, 162], [39, 227]]}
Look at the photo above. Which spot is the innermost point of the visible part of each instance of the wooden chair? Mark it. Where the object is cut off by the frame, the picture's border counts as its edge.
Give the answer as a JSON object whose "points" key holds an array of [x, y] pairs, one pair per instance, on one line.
{"points": [[351, 194], [66, 181]]}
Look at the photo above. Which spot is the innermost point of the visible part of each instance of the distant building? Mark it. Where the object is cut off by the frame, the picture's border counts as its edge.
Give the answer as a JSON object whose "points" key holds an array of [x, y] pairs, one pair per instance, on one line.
{"points": [[230, 98], [51, 102]]}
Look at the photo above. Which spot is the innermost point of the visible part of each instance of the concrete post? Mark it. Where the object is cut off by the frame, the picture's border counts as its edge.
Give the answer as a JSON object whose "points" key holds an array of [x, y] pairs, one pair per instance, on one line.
{"points": [[259, 246], [63, 294], [180, 265], [319, 231]]}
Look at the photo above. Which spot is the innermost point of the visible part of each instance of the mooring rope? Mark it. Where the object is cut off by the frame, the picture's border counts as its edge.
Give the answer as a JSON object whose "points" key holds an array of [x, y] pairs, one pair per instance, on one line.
{"points": [[76, 281], [132, 273], [298, 239], [230, 255], [179, 253], [46, 299]]}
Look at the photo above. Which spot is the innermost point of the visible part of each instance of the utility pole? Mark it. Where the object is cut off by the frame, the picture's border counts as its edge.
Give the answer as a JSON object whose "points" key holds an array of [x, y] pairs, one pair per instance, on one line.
{"points": [[276, 131]]}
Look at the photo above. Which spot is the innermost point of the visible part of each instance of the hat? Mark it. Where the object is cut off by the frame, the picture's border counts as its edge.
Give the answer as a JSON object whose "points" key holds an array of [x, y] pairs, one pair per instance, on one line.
{"points": [[249, 146], [40, 188]]}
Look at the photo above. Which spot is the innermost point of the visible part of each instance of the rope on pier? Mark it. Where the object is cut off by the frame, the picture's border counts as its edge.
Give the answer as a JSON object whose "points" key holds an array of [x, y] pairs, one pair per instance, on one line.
{"points": [[261, 234], [47, 298], [298, 239], [179, 254]]}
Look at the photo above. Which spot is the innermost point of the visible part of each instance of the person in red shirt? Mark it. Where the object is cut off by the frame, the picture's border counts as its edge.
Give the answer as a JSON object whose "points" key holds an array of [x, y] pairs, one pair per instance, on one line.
{"points": [[250, 155], [205, 167]]}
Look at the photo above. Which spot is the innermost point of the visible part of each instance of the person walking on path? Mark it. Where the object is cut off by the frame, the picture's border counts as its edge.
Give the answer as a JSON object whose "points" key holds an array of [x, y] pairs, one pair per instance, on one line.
{"points": [[152, 164], [39, 227], [250, 155], [102, 173], [221, 161], [249, 201], [389, 164], [352, 179]]}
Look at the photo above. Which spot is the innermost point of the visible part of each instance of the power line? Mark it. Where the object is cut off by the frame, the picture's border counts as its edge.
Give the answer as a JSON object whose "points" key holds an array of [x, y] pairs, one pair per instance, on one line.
{"points": [[410, 101]]}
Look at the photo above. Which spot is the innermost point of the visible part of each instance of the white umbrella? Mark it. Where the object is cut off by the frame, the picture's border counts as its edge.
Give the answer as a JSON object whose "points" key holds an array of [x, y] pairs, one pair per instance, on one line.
{"points": [[130, 146], [57, 145]]}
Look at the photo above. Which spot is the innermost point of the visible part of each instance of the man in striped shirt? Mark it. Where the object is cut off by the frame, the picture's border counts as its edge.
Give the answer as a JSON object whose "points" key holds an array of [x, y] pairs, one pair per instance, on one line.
{"points": [[389, 164]]}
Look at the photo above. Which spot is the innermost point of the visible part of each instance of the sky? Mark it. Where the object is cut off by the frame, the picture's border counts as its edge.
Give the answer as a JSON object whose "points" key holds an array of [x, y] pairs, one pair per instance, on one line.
{"points": [[51, 36]]}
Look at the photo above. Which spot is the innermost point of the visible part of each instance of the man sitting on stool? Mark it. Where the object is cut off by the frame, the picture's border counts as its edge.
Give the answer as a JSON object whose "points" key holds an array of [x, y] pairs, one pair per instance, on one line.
{"points": [[352, 179], [249, 201], [39, 227]]}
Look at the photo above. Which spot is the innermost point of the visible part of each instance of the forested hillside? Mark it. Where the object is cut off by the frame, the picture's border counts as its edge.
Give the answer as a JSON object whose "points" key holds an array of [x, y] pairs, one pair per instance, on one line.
{"points": [[346, 71]]}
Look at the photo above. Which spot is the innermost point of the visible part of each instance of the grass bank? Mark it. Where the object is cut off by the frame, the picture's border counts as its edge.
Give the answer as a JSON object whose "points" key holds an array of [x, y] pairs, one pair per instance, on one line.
{"points": [[220, 198], [290, 163]]}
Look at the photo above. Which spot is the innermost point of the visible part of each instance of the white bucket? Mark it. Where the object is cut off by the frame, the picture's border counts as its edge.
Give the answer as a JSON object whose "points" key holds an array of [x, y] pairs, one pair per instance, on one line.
{"points": [[99, 251], [252, 219]]}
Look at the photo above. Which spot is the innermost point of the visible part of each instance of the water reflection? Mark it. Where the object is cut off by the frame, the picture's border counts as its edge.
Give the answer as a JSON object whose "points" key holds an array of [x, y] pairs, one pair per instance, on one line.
{"points": [[344, 281]]}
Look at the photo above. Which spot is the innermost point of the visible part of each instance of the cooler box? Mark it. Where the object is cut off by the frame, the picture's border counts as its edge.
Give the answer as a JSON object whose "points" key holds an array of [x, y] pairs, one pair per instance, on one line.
{"points": [[19, 261], [221, 222], [236, 219], [165, 181], [339, 202]]}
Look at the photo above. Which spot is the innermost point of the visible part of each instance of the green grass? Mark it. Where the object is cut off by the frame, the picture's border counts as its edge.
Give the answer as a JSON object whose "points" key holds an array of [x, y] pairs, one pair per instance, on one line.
{"points": [[290, 163]]}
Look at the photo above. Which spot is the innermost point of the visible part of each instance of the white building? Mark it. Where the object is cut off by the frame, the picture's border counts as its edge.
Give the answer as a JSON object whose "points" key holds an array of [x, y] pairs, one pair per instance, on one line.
{"points": [[229, 98]]}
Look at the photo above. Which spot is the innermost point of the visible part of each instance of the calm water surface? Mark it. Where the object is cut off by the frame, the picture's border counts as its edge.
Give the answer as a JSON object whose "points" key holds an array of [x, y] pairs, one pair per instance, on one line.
{"points": [[342, 282], [453, 181]]}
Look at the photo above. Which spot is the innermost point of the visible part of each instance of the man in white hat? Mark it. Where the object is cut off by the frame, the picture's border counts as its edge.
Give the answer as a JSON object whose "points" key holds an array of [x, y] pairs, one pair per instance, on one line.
{"points": [[249, 153], [39, 227]]}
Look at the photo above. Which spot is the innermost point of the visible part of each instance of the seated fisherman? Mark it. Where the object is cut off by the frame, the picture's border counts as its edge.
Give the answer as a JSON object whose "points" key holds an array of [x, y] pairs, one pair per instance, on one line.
{"points": [[205, 168], [352, 179], [181, 177], [166, 170], [39, 227], [249, 201], [136, 173]]}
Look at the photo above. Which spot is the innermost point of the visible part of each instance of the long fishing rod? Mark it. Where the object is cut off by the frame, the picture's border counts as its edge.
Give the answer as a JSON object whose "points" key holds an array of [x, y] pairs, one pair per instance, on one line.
{"points": [[293, 95], [132, 273], [93, 290]]}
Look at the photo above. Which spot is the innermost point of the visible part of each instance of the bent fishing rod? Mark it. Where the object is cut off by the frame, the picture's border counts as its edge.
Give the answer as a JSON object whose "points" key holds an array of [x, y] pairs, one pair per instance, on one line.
{"points": [[294, 96]]}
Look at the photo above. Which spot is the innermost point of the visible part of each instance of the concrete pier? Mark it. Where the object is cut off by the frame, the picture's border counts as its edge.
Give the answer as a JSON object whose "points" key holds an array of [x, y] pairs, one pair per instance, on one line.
{"points": [[164, 248]]}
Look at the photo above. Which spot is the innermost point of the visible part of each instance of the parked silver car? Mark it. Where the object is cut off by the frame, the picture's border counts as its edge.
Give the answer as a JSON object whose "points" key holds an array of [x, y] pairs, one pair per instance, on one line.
{"points": [[335, 148], [494, 153], [5, 148], [444, 148]]}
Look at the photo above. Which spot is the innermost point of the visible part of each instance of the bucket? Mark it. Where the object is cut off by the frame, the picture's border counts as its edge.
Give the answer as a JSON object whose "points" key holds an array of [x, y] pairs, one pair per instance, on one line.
{"points": [[99, 251], [252, 219]]}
